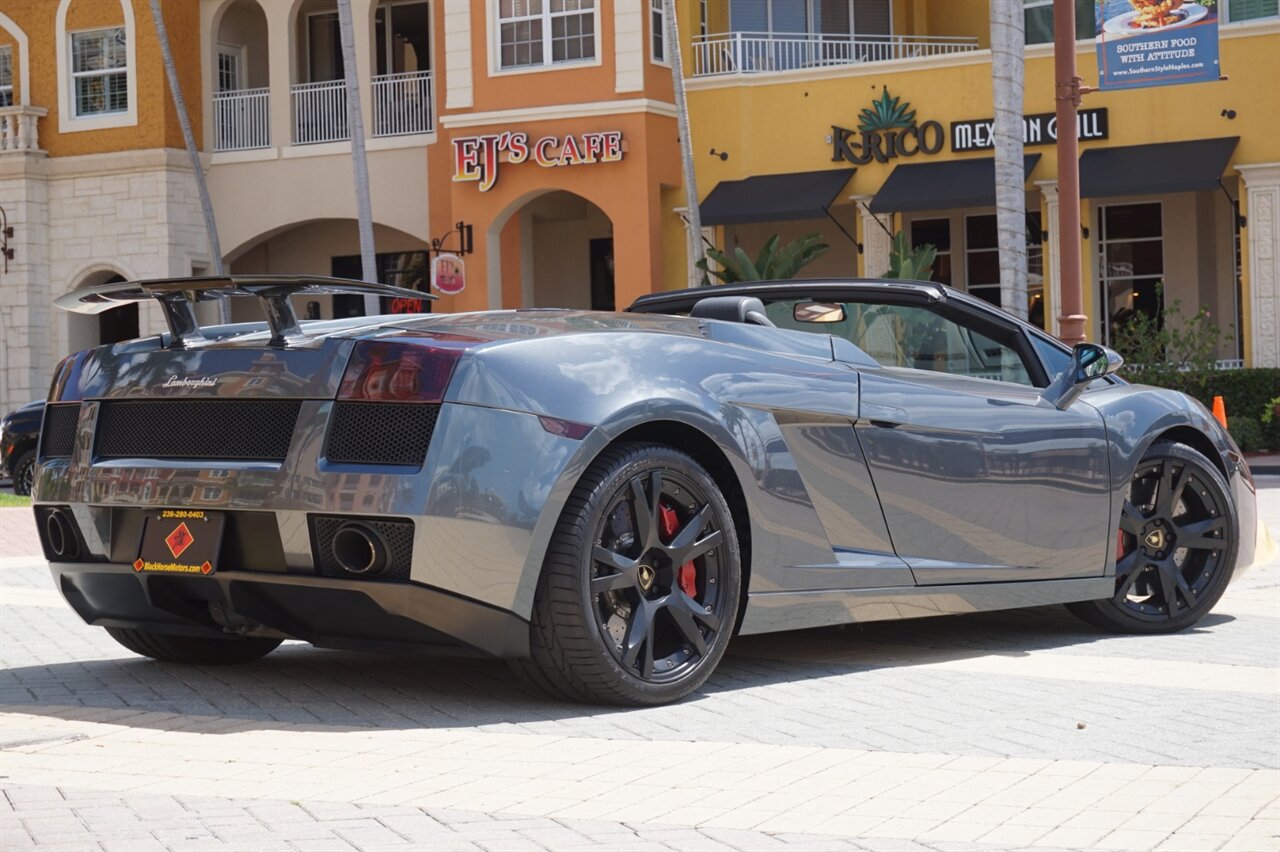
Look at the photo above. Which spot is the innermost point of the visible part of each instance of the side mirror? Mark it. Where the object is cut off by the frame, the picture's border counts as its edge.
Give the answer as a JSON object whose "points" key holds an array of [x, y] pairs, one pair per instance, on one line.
{"points": [[1089, 361]]}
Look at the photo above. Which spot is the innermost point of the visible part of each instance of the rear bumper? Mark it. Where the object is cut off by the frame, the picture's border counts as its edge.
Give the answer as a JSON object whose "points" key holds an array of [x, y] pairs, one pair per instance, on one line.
{"points": [[329, 613]]}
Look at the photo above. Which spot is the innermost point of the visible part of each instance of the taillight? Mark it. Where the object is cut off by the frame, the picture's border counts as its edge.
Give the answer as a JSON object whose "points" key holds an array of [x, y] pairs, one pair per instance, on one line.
{"points": [[407, 370]]}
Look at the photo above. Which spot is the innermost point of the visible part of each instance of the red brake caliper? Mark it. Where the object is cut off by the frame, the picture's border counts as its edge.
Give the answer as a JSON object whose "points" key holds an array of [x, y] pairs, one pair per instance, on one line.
{"points": [[669, 525], [1120, 551]]}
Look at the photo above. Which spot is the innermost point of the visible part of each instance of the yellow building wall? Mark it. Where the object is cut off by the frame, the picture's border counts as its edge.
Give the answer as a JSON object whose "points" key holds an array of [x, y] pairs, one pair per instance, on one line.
{"points": [[157, 125], [746, 117]]}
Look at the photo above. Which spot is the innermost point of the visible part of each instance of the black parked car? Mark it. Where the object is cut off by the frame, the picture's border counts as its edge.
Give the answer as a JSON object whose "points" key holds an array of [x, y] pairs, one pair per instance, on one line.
{"points": [[19, 433]]}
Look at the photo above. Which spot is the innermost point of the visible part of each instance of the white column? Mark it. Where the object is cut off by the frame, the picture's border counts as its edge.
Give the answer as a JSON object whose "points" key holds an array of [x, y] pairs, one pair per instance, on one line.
{"points": [[876, 244], [457, 53], [1052, 288], [280, 69], [1262, 208]]}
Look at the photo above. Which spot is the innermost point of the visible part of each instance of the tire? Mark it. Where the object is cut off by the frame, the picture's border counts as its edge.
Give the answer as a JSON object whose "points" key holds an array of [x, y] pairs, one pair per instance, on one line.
{"points": [[24, 471], [193, 650], [1176, 547], [639, 590]]}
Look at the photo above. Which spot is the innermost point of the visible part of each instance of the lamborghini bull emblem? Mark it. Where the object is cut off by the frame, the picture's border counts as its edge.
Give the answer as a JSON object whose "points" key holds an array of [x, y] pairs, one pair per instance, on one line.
{"points": [[1155, 539], [647, 576]]}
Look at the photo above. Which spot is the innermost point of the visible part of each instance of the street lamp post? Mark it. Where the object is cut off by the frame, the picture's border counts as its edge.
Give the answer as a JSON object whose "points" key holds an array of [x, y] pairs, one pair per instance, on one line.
{"points": [[1071, 317]]}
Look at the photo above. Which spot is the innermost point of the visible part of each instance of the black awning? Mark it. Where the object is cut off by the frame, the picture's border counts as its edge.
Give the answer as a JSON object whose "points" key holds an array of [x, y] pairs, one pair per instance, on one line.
{"points": [[1161, 167], [774, 198], [942, 186]]}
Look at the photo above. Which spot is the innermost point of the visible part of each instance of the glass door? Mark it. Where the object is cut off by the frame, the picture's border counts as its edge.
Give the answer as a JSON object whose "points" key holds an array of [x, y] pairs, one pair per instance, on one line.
{"points": [[1130, 265]]}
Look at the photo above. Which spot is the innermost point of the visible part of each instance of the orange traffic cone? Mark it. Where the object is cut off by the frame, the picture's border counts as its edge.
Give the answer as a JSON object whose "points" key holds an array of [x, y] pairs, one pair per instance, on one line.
{"points": [[1220, 411]]}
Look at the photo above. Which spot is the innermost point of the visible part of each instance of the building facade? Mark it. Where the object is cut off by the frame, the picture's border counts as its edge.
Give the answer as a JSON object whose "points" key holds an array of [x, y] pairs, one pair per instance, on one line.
{"points": [[541, 136]]}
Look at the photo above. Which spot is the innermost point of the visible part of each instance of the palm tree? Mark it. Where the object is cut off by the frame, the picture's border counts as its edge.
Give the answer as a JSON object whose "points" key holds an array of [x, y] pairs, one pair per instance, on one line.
{"points": [[193, 154], [1007, 41], [360, 163], [672, 39]]}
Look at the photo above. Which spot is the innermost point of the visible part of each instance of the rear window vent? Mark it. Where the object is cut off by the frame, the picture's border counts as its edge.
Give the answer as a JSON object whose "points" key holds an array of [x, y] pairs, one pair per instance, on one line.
{"points": [[58, 434], [380, 433]]}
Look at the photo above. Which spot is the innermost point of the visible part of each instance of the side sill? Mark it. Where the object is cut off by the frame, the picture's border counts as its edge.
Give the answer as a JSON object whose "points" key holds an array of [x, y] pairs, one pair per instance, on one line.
{"points": [[773, 611]]}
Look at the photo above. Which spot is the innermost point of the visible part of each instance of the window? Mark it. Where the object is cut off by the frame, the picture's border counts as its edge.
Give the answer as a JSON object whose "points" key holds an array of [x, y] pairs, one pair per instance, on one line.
{"points": [[545, 32], [658, 30], [1037, 19], [6, 75], [99, 72], [937, 233], [324, 48], [1130, 264], [982, 263], [407, 269], [403, 45], [230, 68], [798, 17], [1251, 10], [917, 338]]}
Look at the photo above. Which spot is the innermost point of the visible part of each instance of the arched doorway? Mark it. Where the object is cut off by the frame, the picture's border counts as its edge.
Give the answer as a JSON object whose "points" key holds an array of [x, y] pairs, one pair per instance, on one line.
{"points": [[565, 254], [85, 331]]}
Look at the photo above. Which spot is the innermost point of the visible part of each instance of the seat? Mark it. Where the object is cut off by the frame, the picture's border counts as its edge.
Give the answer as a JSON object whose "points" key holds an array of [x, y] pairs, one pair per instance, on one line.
{"points": [[744, 309]]}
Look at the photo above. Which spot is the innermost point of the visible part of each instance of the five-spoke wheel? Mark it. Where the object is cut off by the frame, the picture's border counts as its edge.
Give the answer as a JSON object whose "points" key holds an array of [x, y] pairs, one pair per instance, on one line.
{"points": [[640, 589], [1175, 545]]}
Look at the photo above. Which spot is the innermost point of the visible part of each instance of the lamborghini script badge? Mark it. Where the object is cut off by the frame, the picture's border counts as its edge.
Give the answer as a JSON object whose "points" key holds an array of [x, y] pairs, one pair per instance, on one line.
{"points": [[190, 382]]}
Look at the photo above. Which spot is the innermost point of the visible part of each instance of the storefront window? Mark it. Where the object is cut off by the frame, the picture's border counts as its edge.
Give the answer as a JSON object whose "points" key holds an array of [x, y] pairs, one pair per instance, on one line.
{"points": [[545, 32], [1252, 10], [1037, 19], [1131, 264], [406, 269], [937, 233], [982, 263]]}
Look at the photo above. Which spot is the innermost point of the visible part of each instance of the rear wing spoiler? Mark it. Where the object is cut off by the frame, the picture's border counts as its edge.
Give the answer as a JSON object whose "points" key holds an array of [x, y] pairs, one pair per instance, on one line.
{"points": [[178, 298]]}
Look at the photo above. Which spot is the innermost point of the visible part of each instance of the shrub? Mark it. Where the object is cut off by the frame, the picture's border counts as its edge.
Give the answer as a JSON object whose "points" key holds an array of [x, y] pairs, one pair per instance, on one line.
{"points": [[1247, 432]]}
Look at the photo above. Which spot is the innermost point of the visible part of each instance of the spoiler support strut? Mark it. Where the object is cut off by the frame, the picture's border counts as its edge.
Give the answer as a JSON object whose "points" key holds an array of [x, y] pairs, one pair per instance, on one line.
{"points": [[178, 298]]}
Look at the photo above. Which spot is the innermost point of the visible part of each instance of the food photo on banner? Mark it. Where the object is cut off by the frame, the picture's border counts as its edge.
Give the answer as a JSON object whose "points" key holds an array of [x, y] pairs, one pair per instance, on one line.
{"points": [[1156, 42]]}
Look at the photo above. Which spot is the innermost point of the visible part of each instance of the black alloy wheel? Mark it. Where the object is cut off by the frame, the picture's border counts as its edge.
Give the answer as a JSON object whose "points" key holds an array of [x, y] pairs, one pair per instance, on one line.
{"points": [[1175, 548], [640, 589]]}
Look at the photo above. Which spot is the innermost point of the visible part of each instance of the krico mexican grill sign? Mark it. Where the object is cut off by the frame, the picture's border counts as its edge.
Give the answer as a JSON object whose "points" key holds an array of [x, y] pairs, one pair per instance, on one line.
{"points": [[476, 158], [886, 129]]}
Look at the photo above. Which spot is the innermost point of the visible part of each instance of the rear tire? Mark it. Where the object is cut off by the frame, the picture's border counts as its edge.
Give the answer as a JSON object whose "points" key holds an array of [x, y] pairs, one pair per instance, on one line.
{"points": [[24, 473], [193, 650], [1176, 548], [639, 590]]}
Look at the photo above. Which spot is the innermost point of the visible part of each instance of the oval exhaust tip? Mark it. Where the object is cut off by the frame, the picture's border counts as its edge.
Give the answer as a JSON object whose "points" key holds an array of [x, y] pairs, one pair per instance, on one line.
{"points": [[61, 535], [359, 550]]}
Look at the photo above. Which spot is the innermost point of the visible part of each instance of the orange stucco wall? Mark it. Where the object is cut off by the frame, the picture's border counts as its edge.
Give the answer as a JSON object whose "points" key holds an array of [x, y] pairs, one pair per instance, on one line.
{"points": [[157, 121]]}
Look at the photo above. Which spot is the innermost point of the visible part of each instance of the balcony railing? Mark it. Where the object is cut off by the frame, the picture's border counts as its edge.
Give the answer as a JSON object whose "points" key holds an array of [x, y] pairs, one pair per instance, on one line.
{"points": [[402, 104], [242, 120], [759, 53], [320, 112], [18, 128]]}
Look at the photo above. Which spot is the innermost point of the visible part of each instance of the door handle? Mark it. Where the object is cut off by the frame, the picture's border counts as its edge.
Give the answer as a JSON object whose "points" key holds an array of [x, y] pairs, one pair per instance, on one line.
{"points": [[885, 424]]}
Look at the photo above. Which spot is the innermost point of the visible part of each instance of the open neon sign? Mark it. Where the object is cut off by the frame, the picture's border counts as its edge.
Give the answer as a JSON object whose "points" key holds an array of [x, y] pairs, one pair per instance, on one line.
{"points": [[476, 158]]}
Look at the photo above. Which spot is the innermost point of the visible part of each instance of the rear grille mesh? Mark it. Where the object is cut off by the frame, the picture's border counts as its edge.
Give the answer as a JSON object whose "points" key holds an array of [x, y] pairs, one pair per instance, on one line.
{"points": [[380, 433], [216, 429], [58, 437]]}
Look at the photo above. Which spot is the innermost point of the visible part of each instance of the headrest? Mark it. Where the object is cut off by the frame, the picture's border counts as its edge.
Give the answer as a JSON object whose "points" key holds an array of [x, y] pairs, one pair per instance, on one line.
{"points": [[745, 309]]}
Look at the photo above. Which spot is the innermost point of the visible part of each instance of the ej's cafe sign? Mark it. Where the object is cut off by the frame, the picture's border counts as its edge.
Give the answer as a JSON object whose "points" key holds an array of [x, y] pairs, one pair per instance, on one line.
{"points": [[476, 158]]}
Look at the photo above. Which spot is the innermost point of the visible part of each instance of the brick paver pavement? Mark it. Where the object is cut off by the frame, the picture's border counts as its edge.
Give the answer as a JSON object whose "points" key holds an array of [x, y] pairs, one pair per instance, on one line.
{"points": [[1009, 730]]}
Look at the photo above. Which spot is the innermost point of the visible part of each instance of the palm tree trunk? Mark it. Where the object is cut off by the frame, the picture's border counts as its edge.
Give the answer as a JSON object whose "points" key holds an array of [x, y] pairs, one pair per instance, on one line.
{"points": [[193, 154], [359, 162], [1011, 201], [672, 37]]}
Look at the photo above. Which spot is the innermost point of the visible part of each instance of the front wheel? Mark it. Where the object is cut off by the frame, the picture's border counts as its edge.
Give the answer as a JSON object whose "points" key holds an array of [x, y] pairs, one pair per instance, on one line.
{"points": [[639, 590], [194, 650], [24, 473], [1176, 546]]}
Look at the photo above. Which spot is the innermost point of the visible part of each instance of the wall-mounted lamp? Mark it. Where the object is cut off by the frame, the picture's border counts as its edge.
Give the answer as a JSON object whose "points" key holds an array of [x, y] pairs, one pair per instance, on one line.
{"points": [[1228, 114], [723, 155], [1084, 231]]}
